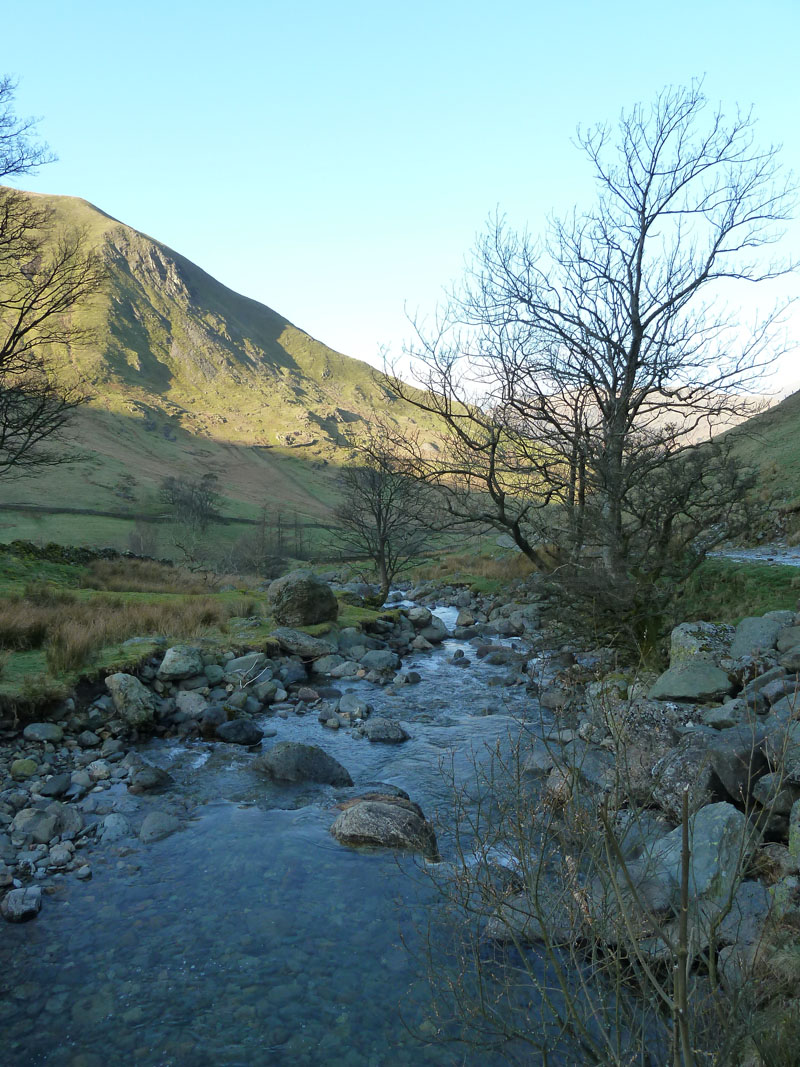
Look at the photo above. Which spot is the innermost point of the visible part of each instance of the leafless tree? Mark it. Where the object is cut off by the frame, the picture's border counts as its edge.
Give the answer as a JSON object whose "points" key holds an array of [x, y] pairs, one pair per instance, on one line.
{"points": [[575, 376], [193, 502], [384, 514], [46, 272]]}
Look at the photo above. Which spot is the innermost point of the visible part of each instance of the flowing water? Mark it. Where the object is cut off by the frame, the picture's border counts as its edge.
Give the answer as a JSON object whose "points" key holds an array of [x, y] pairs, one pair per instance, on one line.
{"points": [[252, 937]]}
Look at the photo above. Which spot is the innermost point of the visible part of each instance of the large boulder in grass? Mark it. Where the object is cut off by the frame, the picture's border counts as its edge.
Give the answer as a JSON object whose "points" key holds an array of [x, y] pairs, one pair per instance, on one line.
{"points": [[302, 599], [291, 761], [388, 822], [133, 701]]}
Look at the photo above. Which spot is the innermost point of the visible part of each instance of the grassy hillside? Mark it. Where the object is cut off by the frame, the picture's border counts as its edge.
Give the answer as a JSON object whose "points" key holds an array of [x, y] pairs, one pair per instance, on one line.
{"points": [[189, 377], [770, 442]]}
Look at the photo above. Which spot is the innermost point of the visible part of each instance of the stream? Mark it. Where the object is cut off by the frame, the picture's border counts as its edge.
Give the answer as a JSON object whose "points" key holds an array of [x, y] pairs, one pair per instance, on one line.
{"points": [[252, 937]]}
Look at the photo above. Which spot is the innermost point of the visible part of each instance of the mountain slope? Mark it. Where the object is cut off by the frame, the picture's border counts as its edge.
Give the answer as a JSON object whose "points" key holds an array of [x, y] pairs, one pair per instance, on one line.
{"points": [[187, 377]]}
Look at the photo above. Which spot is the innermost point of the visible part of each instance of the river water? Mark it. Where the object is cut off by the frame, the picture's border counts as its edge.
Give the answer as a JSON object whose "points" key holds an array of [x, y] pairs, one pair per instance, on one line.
{"points": [[252, 937]]}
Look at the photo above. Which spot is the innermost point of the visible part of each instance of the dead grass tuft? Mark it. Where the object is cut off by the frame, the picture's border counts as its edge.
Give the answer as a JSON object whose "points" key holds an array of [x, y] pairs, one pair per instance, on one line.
{"points": [[144, 576]]}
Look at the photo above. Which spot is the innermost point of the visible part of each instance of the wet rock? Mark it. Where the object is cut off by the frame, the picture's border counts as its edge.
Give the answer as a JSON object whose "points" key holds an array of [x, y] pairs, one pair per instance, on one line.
{"points": [[133, 702], [302, 644], [147, 778], [158, 824], [379, 659], [114, 827], [20, 905], [213, 717], [389, 822], [181, 661], [291, 761], [326, 664], [435, 632], [354, 705], [301, 599], [239, 732], [419, 617], [43, 731], [384, 730]]}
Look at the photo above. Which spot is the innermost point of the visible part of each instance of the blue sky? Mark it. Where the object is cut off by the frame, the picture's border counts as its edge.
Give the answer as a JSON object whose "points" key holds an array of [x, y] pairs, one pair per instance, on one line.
{"points": [[336, 160]]}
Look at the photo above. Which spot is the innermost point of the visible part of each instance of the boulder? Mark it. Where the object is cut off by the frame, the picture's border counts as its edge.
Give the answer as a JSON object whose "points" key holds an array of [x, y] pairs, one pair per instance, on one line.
{"points": [[22, 904], [36, 825], [43, 731], [419, 617], [389, 822], [788, 638], [133, 702], [706, 641], [301, 599], [181, 661], [291, 761], [694, 682], [380, 659], [147, 778], [247, 666], [352, 704], [384, 730], [755, 635], [191, 704], [240, 732], [435, 632], [302, 644], [688, 766], [158, 824], [720, 841]]}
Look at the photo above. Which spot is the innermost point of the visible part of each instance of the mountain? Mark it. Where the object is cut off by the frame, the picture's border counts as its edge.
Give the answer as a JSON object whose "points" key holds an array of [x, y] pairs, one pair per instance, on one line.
{"points": [[189, 377]]}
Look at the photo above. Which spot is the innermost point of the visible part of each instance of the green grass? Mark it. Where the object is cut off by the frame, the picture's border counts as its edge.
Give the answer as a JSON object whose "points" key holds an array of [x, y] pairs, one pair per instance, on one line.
{"points": [[79, 617], [724, 590]]}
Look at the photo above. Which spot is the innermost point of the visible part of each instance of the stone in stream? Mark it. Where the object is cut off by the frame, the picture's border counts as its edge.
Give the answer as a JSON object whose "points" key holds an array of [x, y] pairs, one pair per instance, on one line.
{"points": [[22, 904], [386, 821], [384, 730], [380, 659], [301, 599], [239, 732], [133, 702], [158, 824], [291, 761], [147, 778]]}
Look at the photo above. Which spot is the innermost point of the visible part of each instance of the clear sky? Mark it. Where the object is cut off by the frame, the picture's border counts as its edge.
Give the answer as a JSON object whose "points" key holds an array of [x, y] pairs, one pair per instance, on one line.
{"points": [[335, 160]]}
